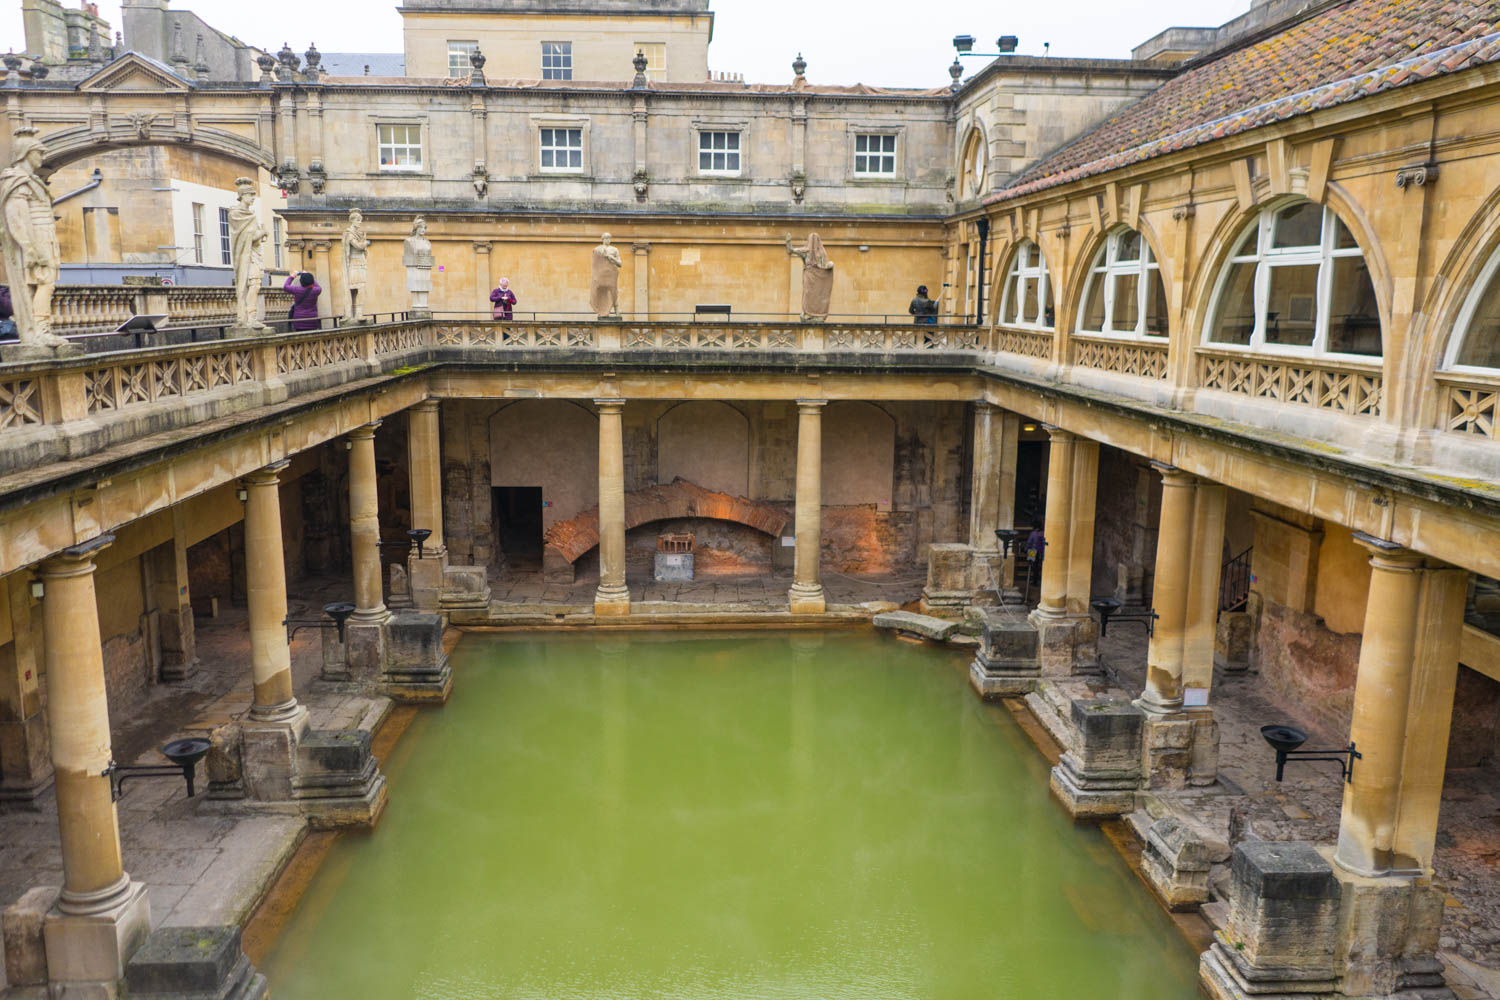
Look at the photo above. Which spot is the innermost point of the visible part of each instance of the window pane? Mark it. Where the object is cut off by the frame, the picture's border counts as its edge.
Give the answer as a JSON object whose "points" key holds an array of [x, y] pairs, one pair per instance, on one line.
{"points": [[1353, 321], [546, 157], [1013, 302], [1482, 341], [1156, 305], [1292, 307], [1300, 225], [705, 161], [859, 164], [1234, 317], [889, 143], [861, 144], [1093, 305], [1029, 304], [575, 159], [734, 140], [1128, 246], [1342, 238], [1127, 308]]}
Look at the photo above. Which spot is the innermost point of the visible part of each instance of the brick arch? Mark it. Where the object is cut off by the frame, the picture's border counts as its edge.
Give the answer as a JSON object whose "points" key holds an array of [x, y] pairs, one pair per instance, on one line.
{"points": [[567, 541]]}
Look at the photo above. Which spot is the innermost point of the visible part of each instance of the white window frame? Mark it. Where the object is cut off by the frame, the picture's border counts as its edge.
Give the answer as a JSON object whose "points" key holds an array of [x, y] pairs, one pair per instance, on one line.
{"points": [[894, 154], [1266, 257], [1028, 263], [1462, 326], [543, 147], [563, 61], [226, 247], [461, 47], [738, 152], [381, 144], [1108, 268], [654, 73], [198, 235], [278, 236]]}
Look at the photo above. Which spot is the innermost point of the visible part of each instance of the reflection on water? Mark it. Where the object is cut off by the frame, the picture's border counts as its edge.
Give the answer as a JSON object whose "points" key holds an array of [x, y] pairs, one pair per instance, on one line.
{"points": [[722, 815]]}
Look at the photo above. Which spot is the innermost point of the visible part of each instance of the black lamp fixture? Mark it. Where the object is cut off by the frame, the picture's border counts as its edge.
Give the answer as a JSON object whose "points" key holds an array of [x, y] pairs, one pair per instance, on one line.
{"points": [[1010, 538], [1109, 608], [184, 755], [1005, 43], [338, 612], [416, 536], [1286, 740]]}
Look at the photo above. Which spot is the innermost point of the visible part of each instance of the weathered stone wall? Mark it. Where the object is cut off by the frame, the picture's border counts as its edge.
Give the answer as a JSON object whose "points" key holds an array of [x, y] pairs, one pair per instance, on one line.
{"points": [[1127, 510], [122, 610], [1307, 669], [1474, 740]]}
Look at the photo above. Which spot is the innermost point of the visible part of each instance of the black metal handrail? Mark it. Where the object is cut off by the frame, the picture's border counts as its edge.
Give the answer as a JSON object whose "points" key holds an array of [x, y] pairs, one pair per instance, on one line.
{"points": [[1234, 583]]}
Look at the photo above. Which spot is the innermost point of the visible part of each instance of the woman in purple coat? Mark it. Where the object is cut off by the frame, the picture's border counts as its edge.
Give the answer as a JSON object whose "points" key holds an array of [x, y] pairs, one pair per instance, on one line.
{"points": [[504, 300], [304, 300]]}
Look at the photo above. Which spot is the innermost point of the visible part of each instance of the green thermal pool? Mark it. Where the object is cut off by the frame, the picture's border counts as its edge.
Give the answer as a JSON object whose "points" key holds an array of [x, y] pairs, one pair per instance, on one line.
{"points": [[718, 815]]}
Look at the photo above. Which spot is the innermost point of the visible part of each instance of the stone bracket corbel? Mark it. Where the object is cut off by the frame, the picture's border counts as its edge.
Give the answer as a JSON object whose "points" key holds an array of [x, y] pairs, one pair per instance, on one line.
{"points": [[1418, 175]]}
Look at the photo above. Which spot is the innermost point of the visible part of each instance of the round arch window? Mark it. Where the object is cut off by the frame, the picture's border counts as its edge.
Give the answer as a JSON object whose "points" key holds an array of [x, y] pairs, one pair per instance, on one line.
{"points": [[1477, 340], [1296, 283], [1124, 295], [1027, 298]]}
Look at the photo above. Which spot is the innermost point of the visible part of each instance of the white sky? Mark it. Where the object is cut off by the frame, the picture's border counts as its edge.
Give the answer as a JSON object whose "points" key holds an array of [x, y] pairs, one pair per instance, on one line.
{"points": [[879, 42]]}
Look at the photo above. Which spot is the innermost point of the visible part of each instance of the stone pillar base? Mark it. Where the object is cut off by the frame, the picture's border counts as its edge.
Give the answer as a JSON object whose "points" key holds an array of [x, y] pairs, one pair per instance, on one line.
{"points": [[1006, 664], [337, 782], [1182, 747], [424, 579], [176, 673], [465, 588], [364, 649], [948, 576], [1234, 635], [1389, 936], [87, 952], [268, 756], [612, 602], [335, 658], [1176, 864], [416, 668], [176, 963], [1099, 777], [25, 765], [806, 600], [1066, 647]]}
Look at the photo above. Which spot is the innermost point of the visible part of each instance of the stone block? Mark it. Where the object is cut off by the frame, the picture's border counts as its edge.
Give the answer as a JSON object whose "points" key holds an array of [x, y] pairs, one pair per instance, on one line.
{"points": [[1390, 928], [556, 567], [1099, 777], [21, 925], [224, 765], [468, 587], [364, 651], [922, 626], [268, 756], [425, 579], [86, 953], [1233, 638], [1006, 663], [1282, 932], [335, 657], [948, 584], [338, 782], [1066, 647], [1182, 749], [25, 764], [416, 668], [1177, 863], [201, 963], [673, 566]]}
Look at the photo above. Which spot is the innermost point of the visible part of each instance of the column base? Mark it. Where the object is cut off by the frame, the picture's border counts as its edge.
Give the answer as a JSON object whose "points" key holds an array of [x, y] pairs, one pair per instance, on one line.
{"points": [[338, 783], [1181, 748], [424, 579], [27, 771], [1099, 777], [87, 952], [465, 588], [1176, 864], [364, 647], [1066, 646], [949, 576], [176, 673], [1005, 665], [612, 601], [178, 963], [416, 668], [805, 599], [268, 755]]}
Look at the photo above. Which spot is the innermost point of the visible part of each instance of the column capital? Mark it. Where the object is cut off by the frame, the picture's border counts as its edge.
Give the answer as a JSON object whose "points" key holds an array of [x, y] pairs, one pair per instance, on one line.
{"points": [[610, 405], [76, 559], [481, 247], [641, 249], [811, 405], [986, 407], [321, 246], [427, 405], [1173, 476], [1388, 555], [365, 431], [1057, 433], [269, 475]]}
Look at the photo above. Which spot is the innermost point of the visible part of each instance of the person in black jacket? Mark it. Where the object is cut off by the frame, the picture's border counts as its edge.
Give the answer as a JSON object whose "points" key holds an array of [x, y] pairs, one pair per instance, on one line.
{"points": [[923, 310]]}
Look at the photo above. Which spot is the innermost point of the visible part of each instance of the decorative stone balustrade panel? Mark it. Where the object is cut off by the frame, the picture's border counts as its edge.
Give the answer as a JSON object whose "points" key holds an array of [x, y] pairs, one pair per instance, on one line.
{"points": [[316, 353], [708, 337], [20, 402], [1351, 390], [116, 386], [1469, 407], [727, 337], [1027, 343], [96, 308], [520, 336], [1124, 357], [402, 339], [901, 338]]}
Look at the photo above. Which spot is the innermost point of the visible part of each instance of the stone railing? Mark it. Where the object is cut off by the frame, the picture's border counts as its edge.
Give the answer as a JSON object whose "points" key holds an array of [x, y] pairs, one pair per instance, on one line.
{"points": [[1027, 343], [1469, 404], [96, 308], [1343, 387], [729, 337], [1126, 357], [20, 402]]}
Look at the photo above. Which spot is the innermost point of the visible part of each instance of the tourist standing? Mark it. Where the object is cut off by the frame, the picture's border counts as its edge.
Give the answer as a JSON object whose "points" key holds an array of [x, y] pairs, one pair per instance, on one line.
{"points": [[305, 294], [504, 301], [7, 322], [923, 310]]}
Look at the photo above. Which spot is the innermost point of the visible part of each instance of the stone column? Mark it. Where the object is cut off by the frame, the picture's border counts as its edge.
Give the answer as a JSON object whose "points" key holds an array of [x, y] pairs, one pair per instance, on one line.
{"points": [[1010, 445], [25, 770], [806, 595], [179, 646], [1174, 541], [641, 305], [484, 277], [984, 501], [424, 461], [323, 271], [265, 585], [101, 916], [612, 599], [365, 636], [1403, 702], [1200, 623], [1080, 527], [1053, 605]]}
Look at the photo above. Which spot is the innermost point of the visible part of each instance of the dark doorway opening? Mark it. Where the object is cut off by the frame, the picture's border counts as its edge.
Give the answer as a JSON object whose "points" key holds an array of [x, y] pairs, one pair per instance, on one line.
{"points": [[518, 515], [1029, 459]]}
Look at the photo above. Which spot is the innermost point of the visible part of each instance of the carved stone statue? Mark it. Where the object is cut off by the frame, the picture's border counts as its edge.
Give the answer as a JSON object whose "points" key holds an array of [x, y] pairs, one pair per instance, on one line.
{"points": [[30, 249], [817, 278], [247, 235], [417, 256], [604, 289], [356, 245]]}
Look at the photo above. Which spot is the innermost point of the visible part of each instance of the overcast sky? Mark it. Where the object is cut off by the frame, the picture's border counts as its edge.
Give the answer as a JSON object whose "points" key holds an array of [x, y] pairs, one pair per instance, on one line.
{"points": [[878, 42]]}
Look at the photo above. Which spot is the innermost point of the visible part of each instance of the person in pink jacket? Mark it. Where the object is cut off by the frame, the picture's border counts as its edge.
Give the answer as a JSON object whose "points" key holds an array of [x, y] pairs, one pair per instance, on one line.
{"points": [[305, 291], [504, 300]]}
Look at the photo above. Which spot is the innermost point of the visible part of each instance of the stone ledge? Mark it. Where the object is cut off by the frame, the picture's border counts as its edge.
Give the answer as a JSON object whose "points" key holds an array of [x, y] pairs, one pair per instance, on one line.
{"points": [[924, 626]]}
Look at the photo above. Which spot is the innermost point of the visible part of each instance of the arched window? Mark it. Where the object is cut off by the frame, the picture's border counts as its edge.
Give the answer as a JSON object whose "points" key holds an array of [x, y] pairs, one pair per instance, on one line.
{"points": [[1476, 341], [972, 166], [1125, 294], [1027, 300], [1297, 283]]}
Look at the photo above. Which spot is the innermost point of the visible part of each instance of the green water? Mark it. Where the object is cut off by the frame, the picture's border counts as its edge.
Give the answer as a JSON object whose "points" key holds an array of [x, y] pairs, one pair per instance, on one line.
{"points": [[710, 816]]}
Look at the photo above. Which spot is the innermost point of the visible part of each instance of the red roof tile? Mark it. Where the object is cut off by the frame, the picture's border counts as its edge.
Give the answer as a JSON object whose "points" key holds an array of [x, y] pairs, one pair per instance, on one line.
{"points": [[1338, 54]]}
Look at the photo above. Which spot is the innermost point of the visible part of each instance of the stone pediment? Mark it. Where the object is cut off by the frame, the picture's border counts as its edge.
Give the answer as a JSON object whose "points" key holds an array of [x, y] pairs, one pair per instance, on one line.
{"points": [[134, 71]]}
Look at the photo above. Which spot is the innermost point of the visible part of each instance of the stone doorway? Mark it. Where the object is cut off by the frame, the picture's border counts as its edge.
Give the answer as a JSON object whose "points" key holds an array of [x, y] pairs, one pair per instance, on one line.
{"points": [[518, 526]]}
